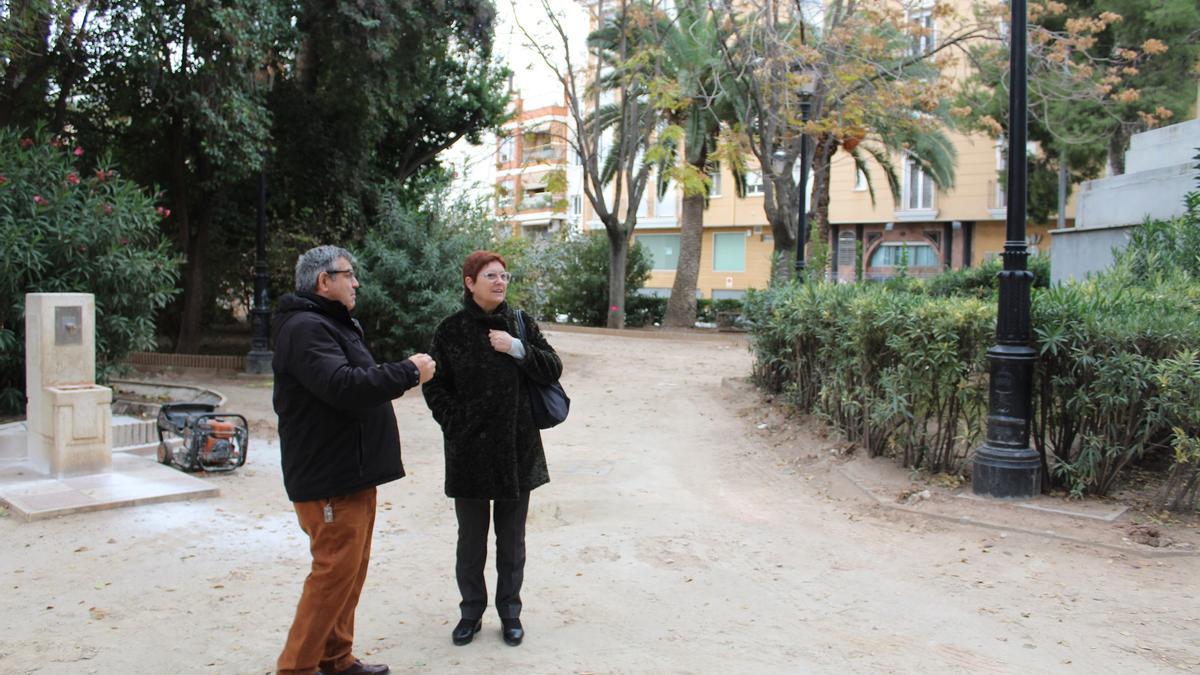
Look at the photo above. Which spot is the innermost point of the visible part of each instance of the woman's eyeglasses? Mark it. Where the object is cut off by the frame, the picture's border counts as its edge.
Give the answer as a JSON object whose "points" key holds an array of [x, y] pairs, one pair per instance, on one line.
{"points": [[498, 276]]}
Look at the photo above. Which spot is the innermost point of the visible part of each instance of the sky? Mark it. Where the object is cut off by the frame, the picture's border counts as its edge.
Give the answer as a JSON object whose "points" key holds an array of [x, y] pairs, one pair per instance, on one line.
{"points": [[531, 77]]}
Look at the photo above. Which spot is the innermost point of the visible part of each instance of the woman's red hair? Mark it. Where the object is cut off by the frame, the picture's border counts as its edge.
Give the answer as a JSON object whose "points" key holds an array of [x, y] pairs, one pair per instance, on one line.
{"points": [[477, 261]]}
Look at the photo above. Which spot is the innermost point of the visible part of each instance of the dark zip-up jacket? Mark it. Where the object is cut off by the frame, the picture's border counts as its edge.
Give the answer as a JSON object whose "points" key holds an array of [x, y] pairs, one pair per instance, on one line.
{"points": [[337, 430]]}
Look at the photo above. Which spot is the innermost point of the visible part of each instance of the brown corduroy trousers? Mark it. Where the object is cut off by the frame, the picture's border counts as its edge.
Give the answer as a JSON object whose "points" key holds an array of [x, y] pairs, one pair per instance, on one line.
{"points": [[322, 633]]}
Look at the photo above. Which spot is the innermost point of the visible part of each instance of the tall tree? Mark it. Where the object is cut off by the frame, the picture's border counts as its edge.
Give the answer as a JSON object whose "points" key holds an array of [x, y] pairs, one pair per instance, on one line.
{"points": [[874, 70], [377, 89], [1100, 71], [174, 93], [613, 122], [682, 44]]}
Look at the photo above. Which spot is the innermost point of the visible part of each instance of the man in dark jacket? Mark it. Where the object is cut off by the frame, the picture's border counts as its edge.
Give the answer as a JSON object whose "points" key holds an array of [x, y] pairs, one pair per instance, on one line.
{"points": [[338, 438]]}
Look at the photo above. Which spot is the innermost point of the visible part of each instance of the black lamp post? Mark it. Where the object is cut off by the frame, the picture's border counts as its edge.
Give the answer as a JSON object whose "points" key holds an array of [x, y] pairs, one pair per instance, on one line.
{"points": [[258, 361], [802, 222], [806, 92], [1005, 465]]}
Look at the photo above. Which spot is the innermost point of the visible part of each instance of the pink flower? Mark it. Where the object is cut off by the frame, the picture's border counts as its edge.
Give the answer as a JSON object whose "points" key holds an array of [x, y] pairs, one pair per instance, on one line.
{"points": [[37, 199], [163, 212], [73, 178], [26, 143], [613, 308], [101, 175], [3, 179], [56, 142], [78, 152], [108, 209]]}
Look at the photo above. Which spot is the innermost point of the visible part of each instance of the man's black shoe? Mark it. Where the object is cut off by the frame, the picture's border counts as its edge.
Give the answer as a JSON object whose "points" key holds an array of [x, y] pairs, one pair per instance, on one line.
{"points": [[465, 631], [512, 631]]}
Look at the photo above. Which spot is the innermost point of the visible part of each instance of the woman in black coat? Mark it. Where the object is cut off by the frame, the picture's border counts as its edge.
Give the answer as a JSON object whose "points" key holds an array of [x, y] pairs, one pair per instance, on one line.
{"points": [[480, 398]]}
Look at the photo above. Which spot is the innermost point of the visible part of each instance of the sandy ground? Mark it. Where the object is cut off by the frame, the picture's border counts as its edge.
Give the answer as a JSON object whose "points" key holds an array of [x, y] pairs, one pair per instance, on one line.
{"points": [[672, 538]]}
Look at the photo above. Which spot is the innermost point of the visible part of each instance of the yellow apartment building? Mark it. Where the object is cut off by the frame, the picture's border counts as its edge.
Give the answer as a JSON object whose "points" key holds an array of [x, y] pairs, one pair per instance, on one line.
{"points": [[929, 229]]}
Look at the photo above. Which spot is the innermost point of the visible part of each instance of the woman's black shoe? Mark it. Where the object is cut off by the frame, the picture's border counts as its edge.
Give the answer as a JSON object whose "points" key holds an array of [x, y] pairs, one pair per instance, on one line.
{"points": [[512, 631], [465, 631]]}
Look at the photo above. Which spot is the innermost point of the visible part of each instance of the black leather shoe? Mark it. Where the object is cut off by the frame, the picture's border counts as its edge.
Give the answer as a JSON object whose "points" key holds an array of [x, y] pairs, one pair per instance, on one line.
{"points": [[465, 631], [512, 631], [360, 668]]}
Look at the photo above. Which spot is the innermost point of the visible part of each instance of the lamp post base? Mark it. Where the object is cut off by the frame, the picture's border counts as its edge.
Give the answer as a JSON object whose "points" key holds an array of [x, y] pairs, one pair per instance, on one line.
{"points": [[1006, 473], [259, 362]]}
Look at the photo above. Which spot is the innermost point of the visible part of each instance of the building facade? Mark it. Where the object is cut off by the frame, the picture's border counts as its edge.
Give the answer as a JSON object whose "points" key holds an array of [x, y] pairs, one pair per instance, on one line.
{"points": [[532, 173]]}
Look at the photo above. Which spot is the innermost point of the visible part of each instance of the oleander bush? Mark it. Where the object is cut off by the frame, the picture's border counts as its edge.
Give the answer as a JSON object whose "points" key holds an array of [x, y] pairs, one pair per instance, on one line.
{"points": [[901, 367], [71, 226]]}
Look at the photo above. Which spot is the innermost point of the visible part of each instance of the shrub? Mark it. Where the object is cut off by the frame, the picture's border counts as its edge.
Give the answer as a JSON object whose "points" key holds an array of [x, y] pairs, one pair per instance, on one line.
{"points": [[645, 310], [410, 267], [581, 293], [1117, 375], [897, 372], [64, 229], [981, 281]]}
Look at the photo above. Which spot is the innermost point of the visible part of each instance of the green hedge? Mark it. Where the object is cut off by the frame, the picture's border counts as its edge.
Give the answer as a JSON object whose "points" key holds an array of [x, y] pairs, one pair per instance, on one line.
{"points": [[899, 373], [901, 368]]}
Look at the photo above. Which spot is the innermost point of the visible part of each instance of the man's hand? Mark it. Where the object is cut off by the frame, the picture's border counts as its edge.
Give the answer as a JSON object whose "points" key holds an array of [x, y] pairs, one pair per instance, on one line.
{"points": [[501, 341], [425, 366]]}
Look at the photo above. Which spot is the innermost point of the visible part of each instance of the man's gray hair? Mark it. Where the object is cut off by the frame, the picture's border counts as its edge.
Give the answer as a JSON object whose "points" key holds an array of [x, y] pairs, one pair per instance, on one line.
{"points": [[314, 261]]}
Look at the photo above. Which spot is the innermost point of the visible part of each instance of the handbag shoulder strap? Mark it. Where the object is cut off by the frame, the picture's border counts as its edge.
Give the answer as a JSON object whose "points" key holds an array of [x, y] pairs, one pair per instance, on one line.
{"points": [[520, 324]]}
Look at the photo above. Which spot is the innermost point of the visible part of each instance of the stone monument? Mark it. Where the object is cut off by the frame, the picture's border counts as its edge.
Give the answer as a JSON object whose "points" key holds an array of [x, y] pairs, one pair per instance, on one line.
{"points": [[69, 416]]}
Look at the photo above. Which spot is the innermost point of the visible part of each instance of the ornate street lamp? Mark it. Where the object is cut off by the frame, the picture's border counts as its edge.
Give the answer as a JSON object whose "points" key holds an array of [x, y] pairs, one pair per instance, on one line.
{"points": [[1005, 465]]}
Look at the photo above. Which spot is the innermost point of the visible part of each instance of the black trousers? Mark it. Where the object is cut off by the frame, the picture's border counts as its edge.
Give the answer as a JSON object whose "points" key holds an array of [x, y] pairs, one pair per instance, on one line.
{"points": [[509, 516]]}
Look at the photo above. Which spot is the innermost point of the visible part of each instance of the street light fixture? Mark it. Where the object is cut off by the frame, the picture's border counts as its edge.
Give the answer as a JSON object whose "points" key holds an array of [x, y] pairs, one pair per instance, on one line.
{"points": [[1005, 465]]}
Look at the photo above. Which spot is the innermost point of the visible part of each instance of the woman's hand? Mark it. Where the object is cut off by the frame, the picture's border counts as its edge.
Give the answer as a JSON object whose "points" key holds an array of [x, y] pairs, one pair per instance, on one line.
{"points": [[501, 341]]}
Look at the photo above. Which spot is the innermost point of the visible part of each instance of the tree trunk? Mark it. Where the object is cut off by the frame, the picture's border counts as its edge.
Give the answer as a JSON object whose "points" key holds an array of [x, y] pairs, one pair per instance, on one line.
{"points": [[1116, 150], [783, 226], [821, 164], [681, 308], [618, 261]]}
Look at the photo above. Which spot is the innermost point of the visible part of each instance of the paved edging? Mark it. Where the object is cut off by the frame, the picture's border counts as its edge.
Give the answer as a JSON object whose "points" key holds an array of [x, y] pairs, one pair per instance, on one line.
{"points": [[1148, 552]]}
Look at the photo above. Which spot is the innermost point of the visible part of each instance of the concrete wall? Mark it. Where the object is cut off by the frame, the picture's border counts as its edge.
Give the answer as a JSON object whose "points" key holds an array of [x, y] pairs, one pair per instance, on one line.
{"points": [[1077, 253]]}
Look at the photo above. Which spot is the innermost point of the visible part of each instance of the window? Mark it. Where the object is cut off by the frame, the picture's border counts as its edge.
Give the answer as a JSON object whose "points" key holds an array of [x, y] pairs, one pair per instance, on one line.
{"points": [[576, 204], [729, 252], [663, 249], [505, 154], [664, 205], [892, 254], [860, 181], [754, 183], [999, 198], [714, 172], [924, 34], [917, 191]]}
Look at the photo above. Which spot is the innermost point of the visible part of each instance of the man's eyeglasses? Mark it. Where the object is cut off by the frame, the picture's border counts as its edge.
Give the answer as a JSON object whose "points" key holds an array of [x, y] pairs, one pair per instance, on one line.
{"points": [[348, 273], [498, 276]]}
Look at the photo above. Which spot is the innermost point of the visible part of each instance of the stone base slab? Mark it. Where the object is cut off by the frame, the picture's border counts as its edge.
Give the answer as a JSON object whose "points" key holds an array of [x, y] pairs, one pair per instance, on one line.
{"points": [[133, 481]]}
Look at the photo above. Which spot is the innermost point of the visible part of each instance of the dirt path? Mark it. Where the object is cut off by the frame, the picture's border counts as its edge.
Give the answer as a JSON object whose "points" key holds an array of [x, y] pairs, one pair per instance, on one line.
{"points": [[672, 538]]}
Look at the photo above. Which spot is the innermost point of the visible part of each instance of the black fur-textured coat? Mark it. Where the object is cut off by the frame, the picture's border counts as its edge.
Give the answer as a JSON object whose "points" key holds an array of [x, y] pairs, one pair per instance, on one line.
{"points": [[479, 396]]}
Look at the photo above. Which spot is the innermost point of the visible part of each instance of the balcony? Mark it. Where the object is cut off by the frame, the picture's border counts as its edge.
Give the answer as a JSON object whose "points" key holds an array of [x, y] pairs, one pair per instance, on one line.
{"points": [[545, 153], [542, 201]]}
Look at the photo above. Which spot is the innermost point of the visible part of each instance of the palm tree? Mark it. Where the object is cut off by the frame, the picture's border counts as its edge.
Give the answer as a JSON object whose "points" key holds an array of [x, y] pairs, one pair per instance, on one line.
{"points": [[680, 50]]}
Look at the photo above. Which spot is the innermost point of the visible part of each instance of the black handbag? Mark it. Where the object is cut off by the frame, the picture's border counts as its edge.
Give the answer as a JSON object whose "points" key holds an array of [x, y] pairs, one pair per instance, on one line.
{"points": [[550, 402]]}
